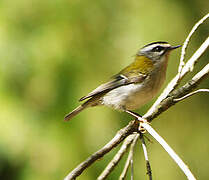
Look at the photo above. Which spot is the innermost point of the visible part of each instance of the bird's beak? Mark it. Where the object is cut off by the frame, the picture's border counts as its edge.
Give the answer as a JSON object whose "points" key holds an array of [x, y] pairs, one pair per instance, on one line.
{"points": [[174, 47]]}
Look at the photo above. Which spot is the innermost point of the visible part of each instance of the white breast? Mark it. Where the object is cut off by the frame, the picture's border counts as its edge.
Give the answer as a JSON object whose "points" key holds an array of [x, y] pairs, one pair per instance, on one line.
{"points": [[125, 97]]}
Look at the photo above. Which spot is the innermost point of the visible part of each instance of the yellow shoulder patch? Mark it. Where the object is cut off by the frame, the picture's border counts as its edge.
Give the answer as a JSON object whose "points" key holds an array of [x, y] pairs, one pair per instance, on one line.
{"points": [[141, 64]]}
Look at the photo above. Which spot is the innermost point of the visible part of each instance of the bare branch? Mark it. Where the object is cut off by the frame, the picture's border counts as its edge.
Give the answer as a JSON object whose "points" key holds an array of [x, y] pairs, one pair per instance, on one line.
{"points": [[190, 63], [130, 158], [132, 155], [125, 169], [149, 171], [184, 47], [110, 167], [170, 151], [119, 137], [191, 94]]}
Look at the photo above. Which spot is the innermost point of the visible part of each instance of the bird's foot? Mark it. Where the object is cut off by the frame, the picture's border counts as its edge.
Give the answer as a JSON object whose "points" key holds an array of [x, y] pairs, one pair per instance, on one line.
{"points": [[138, 118], [142, 121]]}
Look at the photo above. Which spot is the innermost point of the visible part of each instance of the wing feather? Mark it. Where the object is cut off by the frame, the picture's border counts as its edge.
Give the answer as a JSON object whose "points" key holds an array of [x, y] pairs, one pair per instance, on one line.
{"points": [[117, 81]]}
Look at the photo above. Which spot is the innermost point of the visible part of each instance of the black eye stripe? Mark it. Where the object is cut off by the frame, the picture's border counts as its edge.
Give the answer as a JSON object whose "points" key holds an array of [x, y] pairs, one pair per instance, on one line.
{"points": [[158, 48]]}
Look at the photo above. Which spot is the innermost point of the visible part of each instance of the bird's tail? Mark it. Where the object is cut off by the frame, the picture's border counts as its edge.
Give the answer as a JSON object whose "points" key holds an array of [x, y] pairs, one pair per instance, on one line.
{"points": [[74, 112]]}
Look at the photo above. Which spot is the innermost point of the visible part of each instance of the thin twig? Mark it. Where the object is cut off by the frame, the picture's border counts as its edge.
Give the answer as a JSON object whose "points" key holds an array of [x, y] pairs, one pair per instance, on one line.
{"points": [[184, 47], [130, 156], [110, 167], [202, 74], [118, 138], [170, 151], [148, 166], [191, 94], [132, 165], [189, 66], [125, 169]]}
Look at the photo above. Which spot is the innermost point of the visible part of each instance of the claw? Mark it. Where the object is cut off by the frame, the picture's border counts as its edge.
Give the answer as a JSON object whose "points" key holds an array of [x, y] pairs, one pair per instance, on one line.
{"points": [[139, 119], [141, 128]]}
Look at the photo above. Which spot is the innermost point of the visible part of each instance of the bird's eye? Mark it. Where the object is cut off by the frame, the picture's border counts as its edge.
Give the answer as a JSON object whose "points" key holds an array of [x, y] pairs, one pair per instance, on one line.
{"points": [[158, 48]]}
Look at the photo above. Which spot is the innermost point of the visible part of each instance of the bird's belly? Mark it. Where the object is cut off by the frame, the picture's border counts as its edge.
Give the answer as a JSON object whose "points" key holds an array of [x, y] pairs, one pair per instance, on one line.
{"points": [[127, 97], [132, 96]]}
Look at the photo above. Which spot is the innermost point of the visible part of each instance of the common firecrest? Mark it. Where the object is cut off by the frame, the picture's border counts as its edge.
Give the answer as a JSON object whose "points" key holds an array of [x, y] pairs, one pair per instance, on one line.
{"points": [[135, 85]]}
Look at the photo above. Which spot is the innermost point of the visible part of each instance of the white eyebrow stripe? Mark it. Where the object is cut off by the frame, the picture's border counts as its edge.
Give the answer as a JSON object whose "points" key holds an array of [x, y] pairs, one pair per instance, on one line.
{"points": [[150, 47]]}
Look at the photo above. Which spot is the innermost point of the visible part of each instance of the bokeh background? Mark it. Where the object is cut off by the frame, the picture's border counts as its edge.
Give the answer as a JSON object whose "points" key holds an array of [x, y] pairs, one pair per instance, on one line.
{"points": [[53, 52]]}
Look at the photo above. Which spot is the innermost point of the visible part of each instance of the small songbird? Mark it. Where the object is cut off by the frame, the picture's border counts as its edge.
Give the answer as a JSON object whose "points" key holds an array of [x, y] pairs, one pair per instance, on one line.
{"points": [[135, 85]]}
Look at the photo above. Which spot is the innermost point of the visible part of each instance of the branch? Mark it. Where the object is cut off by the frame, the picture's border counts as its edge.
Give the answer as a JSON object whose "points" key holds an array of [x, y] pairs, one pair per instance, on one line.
{"points": [[170, 151], [132, 155], [191, 94], [125, 169], [118, 138], [110, 167], [149, 171], [189, 66], [129, 159], [184, 47]]}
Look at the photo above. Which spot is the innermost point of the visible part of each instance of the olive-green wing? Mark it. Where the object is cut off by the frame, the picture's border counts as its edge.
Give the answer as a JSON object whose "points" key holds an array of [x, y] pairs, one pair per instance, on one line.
{"points": [[117, 81]]}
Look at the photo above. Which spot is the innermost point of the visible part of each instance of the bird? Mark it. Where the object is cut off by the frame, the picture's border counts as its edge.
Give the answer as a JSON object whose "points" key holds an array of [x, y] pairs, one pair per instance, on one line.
{"points": [[133, 86]]}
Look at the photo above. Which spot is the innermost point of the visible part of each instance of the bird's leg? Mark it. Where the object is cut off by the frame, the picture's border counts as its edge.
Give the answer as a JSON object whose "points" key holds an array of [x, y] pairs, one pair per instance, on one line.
{"points": [[139, 118]]}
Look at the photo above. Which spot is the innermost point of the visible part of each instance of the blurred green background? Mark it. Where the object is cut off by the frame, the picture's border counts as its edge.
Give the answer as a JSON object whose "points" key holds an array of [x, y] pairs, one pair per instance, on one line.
{"points": [[53, 52]]}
